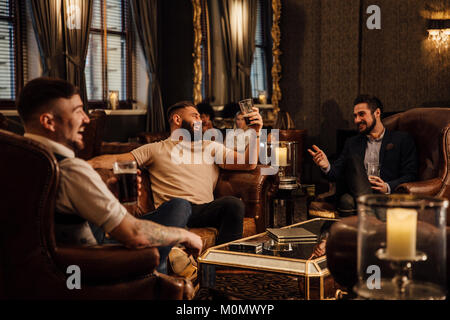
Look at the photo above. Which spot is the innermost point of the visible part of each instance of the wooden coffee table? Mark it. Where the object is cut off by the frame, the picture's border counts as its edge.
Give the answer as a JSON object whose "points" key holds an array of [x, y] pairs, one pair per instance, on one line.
{"points": [[313, 276]]}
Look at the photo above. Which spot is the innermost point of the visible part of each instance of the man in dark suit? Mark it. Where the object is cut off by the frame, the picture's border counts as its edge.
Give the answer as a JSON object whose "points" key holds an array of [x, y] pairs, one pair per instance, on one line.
{"points": [[392, 152]]}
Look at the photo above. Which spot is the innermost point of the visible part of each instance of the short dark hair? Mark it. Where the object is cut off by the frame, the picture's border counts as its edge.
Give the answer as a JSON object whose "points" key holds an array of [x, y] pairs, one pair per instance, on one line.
{"points": [[373, 102], [177, 106], [206, 108], [40, 92], [230, 110]]}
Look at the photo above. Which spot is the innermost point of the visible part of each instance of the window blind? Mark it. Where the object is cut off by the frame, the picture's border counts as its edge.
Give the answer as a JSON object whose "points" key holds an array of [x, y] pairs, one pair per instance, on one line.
{"points": [[7, 63], [106, 63], [93, 71]]}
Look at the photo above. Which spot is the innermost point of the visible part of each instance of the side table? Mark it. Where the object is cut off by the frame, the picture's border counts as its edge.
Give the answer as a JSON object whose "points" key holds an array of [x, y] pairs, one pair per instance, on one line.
{"points": [[285, 203]]}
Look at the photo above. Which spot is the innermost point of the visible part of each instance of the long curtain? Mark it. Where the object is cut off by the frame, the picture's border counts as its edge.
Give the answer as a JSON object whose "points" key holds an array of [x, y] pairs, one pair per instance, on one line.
{"points": [[47, 23], [145, 16], [238, 29], [62, 32], [77, 21]]}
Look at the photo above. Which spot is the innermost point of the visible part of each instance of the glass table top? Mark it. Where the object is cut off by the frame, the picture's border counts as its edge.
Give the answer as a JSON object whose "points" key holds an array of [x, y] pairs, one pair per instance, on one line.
{"points": [[261, 252]]}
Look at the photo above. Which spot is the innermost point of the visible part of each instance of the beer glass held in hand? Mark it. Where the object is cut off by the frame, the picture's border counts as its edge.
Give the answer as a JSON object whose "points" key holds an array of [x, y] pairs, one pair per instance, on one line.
{"points": [[246, 107], [126, 173], [373, 169]]}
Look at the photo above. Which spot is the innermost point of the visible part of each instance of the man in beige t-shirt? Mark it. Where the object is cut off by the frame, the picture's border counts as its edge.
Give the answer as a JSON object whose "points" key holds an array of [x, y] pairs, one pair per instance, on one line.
{"points": [[181, 168]]}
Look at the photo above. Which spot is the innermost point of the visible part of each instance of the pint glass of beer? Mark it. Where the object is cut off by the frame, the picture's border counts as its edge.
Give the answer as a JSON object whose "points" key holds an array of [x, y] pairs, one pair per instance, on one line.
{"points": [[126, 173]]}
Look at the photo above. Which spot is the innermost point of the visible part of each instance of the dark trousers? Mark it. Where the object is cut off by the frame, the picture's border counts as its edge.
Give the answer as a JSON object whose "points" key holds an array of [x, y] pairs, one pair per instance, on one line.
{"points": [[173, 213], [225, 214], [354, 183]]}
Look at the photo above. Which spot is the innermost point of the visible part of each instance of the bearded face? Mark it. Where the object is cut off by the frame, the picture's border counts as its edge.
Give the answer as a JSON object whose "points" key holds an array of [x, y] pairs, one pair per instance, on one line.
{"points": [[365, 127], [70, 122], [364, 119], [194, 128]]}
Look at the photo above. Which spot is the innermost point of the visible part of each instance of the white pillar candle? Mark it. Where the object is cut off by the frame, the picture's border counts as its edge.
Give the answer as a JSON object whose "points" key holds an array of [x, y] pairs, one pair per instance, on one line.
{"points": [[114, 100], [281, 156], [401, 233], [262, 98]]}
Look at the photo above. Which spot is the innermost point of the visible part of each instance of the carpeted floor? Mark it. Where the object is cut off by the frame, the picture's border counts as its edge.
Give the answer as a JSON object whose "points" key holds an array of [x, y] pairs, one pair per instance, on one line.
{"points": [[252, 286], [258, 286]]}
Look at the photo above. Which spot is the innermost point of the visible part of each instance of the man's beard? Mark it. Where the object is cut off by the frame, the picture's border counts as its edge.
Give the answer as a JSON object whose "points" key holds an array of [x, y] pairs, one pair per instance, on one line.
{"points": [[190, 128], [78, 145], [368, 129]]}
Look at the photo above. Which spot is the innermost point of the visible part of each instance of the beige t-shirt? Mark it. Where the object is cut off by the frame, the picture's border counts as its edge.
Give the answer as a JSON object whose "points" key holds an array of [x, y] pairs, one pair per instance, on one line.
{"points": [[182, 170]]}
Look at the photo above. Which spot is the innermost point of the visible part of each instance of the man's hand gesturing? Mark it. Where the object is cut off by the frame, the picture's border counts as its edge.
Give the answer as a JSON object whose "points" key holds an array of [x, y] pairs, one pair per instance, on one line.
{"points": [[319, 157]]}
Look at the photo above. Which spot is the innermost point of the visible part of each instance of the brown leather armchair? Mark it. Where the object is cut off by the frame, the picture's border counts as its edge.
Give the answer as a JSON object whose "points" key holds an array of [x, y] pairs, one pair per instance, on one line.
{"points": [[252, 187], [3, 122], [33, 266], [430, 129]]}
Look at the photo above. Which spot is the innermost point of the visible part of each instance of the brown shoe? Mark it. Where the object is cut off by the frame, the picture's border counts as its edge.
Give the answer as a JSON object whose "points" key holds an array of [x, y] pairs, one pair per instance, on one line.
{"points": [[182, 264]]}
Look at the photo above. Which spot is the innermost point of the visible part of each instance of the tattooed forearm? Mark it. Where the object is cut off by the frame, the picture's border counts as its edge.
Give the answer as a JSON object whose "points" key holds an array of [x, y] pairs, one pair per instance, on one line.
{"points": [[139, 233], [158, 235]]}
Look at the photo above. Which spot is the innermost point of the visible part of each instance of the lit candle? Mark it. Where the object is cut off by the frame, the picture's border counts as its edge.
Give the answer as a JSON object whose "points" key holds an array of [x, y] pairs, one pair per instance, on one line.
{"points": [[114, 100], [401, 233], [262, 98], [281, 157]]}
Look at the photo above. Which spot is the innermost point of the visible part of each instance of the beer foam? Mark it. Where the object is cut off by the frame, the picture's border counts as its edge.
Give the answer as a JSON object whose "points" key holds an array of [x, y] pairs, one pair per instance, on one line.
{"points": [[125, 171]]}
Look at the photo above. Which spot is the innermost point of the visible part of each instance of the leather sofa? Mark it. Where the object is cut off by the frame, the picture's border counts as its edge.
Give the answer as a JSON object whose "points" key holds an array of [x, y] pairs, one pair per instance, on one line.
{"points": [[33, 266], [252, 187]]}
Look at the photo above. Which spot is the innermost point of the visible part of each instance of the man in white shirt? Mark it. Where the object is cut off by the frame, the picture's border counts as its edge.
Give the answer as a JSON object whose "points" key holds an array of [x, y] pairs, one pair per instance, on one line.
{"points": [[52, 113]]}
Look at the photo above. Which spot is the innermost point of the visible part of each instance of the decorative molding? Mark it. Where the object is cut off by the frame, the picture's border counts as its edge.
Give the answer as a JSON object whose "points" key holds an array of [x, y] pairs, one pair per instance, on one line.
{"points": [[276, 52], [197, 54]]}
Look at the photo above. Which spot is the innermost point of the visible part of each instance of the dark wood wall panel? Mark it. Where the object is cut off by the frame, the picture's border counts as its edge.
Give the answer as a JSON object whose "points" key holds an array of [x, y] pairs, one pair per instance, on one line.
{"points": [[339, 66], [329, 56], [398, 63]]}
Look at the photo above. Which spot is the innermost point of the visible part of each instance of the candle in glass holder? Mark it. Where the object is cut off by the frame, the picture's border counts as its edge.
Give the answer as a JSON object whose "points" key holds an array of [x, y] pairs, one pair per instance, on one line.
{"points": [[281, 156], [401, 229]]}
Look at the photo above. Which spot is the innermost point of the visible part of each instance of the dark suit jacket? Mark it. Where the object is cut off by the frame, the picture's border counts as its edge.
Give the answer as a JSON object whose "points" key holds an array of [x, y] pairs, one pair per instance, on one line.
{"points": [[398, 158]]}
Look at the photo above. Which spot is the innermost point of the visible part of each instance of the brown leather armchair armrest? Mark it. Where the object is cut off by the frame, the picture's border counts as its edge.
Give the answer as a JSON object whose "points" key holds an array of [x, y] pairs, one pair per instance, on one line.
{"points": [[331, 192], [108, 263], [247, 185], [150, 137], [341, 250], [426, 187], [175, 287], [252, 187], [118, 147]]}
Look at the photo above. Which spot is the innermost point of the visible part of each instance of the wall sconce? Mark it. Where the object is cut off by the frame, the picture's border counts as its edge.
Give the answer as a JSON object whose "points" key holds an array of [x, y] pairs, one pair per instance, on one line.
{"points": [[439, 32]]}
